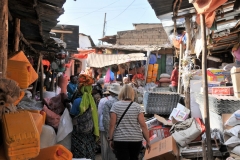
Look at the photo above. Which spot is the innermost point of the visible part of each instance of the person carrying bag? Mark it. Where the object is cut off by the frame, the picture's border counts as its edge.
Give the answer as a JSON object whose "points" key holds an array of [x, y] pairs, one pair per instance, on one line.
{"points": [[126, 138]]}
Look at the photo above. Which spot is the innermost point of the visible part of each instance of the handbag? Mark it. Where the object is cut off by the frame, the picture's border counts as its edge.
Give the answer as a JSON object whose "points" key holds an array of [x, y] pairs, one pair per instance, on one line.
{"points": [[123, 114], [121, 119], [83, 123]]}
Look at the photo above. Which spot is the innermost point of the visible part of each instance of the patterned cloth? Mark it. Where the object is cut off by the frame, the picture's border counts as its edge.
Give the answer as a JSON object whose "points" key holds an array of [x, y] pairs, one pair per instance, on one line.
{"points": [[83, 145], [85, 80], [88, 101]]}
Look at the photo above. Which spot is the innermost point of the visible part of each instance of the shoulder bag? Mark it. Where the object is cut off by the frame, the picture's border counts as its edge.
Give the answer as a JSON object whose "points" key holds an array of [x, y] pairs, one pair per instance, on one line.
{"points": [[123, 114], [120, 121]]}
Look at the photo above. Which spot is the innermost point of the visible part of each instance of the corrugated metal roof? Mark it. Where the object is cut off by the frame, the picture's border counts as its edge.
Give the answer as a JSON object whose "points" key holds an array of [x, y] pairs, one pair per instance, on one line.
{"points": [[37, 18], [136, 47], [165, 6]]}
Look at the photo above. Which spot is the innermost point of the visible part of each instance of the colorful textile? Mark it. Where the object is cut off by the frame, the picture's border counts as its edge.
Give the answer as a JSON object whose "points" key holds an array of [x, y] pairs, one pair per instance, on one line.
{"points": [[83, 145], [75, 107], [88, 101], [71, 88], [85, 80]]}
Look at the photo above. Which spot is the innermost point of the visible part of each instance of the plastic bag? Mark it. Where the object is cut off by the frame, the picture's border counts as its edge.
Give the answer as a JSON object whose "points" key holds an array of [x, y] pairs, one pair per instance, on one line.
{"points": [[65, 126]]}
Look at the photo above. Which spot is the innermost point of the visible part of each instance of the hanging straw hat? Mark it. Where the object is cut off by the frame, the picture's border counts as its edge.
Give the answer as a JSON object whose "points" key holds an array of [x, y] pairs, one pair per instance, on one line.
{"points": [[115, 88]]}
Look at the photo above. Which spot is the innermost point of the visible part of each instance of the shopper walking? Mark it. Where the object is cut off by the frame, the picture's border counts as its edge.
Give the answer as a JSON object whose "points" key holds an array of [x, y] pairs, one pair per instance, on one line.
{"points": [[125, 136], [85, 121]]}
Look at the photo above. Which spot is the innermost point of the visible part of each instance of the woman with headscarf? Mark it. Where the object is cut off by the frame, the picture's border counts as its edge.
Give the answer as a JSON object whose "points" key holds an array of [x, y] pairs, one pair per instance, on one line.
{"points": [[85, 121]]}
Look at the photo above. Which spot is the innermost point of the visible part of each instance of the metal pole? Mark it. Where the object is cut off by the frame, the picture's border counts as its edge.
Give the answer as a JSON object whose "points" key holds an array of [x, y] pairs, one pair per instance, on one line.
{"points": [[205, 87], [104, 24]]}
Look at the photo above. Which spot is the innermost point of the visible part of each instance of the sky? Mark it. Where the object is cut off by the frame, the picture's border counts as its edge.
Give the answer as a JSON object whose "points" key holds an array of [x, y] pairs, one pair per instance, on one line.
{"points": [[120, 15]]}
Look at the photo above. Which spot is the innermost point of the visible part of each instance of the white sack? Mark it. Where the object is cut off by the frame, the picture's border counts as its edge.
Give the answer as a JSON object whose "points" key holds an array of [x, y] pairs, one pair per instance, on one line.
{"points": [[65, 126], [48, 137]]}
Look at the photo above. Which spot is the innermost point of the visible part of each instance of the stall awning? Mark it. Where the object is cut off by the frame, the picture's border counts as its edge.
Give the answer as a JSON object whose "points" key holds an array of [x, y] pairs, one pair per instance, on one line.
{"points": [[102, 60]]}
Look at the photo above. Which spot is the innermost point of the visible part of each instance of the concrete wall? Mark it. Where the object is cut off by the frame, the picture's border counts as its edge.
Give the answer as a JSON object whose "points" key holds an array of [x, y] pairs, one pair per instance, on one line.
{"points": [[147, 26], [84, 42], [151, 36]]}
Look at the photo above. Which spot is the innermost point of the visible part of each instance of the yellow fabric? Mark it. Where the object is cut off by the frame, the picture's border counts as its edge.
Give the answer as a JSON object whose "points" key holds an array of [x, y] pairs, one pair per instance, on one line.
{"points": [[20, 56]]}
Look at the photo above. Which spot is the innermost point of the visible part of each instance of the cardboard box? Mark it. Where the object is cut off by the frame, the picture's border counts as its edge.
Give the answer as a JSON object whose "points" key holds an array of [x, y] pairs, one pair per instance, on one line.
{"points": [[164, 149], [152, 123], [215, 75], [153, 139], [180, 113], [160, 131], [225, 90]]}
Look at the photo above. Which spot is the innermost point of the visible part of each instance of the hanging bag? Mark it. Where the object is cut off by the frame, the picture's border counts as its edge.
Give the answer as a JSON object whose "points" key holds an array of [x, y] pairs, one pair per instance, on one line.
{"points": [[177, 42], [84, 123]]}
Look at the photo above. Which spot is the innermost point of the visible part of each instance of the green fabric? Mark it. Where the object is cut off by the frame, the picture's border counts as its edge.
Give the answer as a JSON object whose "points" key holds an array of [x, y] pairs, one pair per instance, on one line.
{"points": [[88, 101]]}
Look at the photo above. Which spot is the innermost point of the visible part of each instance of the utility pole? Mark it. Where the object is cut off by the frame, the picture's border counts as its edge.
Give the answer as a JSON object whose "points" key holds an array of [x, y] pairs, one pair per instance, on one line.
{"points": [[104, 24]]}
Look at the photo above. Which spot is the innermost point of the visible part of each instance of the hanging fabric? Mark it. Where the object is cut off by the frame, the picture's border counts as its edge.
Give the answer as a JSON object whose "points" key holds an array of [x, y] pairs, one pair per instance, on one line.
{"points": [[206, 6]]}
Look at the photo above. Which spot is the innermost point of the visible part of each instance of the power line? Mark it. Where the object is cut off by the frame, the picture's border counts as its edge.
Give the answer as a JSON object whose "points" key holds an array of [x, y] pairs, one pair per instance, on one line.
{"points": [[92, 11], [123, 10]]}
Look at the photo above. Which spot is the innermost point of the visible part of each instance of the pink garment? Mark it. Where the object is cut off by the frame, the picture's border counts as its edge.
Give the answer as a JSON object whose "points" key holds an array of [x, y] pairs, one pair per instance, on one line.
{"points": [[237, 54]]}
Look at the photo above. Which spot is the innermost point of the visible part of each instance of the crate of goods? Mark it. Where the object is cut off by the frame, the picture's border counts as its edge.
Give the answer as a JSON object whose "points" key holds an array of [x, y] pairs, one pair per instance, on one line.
{"points": [[149, 80], [150, 67], [155, 67], [153, 80], [235, 75], [215, 75], [160, 131], [154, 74], [56, 152], [224, 90], [21, 137], [149, 75]]}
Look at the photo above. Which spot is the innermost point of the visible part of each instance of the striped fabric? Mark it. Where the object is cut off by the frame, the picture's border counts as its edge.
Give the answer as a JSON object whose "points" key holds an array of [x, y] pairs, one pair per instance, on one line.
{"points": [[129, 129]]}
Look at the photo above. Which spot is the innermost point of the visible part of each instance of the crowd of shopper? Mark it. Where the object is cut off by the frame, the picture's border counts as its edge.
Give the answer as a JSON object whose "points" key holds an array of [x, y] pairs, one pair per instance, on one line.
{"points": [[105, 112]]}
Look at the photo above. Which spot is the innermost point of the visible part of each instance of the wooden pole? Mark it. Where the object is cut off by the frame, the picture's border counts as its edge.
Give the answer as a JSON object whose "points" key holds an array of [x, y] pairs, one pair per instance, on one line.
{"points": [[204, 155], [3, 37], [104, 24], [205, 87], [36, 82], [16, 34], [187, 23], [179, 68], [41, 79]]}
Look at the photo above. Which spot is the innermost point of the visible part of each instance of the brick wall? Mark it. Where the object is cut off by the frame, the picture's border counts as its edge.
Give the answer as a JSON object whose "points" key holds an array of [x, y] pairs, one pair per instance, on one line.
{"points": [[151, 36]]}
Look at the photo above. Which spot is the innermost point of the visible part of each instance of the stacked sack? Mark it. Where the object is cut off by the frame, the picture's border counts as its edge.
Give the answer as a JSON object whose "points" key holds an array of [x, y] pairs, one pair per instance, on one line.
{"points": [[232, 135], [164, 80], [152, 73]]}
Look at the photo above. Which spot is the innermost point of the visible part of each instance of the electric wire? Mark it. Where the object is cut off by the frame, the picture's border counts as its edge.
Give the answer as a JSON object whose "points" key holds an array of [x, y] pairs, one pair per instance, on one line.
{"points": [[122, 11], [92, 12]]}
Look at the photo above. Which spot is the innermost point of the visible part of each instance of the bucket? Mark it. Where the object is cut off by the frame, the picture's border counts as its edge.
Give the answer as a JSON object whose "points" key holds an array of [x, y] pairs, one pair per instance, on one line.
{"points": [[235, 74]]}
